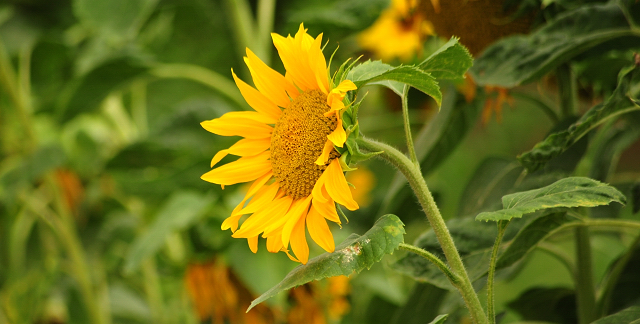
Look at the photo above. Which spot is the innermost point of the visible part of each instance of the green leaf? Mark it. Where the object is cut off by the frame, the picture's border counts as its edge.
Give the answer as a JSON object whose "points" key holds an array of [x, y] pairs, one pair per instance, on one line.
{"points": [[353, 255], [180, 211], [451, 61], [520, 59], [30, 168], [529, 236], [621, 101], [114, 18], [439, 319], [376, 72], [424, 302], [568, 192], [630, 315], [493, 178], [558, 304]]}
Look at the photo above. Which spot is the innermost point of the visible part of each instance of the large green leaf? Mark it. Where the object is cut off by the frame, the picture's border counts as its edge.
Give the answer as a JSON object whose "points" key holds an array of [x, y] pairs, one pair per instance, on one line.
{"points": [[180, 211], [568, 192], [451, 61], [630, 315], [394, 78], [621, 101], [493, 178], [353, 255], [521, 59], [529, 236]]}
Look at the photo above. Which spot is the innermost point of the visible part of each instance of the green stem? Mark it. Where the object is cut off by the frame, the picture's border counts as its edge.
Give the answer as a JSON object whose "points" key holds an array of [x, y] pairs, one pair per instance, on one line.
{"points": [[540, 104], [502, 226], [203, 75], [243, 25], [453, 278], [567, 89], [419, 186], [585, 291], [407, 125], [266, 15]]}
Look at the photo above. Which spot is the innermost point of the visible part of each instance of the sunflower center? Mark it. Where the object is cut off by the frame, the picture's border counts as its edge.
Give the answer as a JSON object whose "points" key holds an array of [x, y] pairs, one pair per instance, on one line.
{"points": [[297, 141]]}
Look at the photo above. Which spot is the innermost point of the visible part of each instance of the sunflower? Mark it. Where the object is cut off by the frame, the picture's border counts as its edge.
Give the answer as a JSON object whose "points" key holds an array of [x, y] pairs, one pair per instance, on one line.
{"points": [[288, 150], [399, 32]]}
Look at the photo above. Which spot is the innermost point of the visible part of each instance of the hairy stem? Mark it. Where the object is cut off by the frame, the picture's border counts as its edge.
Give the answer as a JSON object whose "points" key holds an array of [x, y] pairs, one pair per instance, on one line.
{"points": [[419, 186], [502, 226], [407, 125], [453, 278]]}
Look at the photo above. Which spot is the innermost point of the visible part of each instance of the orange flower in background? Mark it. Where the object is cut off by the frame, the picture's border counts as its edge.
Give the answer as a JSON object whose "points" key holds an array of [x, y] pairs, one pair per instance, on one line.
{"points": [[287, 150], [219, 296], [399, 32], [496, 98], [314, 302], [72, 188]]}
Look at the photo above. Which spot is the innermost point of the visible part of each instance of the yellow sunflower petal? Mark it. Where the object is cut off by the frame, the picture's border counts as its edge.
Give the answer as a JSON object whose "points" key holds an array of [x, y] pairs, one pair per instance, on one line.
{"points": [[326, 151], [299, 244], [317, 192], [253, 115], [245, 169], [337, 186], [327, 210], [257, 100], [338, 136], [253, 243], [261, 199], [238, 127], [257, 222], [243, 147], [269, 82], [231, 223], [292, 218], [298, 70], [319, 231], [274, 242], [319, 64]]}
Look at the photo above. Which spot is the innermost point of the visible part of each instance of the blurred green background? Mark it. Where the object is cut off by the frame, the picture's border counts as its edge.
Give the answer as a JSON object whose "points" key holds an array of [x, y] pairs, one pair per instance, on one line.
{"points": [[104, 218]]}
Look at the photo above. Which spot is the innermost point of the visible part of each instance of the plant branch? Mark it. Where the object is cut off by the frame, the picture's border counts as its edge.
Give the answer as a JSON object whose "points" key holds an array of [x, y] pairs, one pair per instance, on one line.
{"points": [[453, 278], [585, 291], [502, 226], [266, 14], [419, 186], [407, 125], [567, 89]]}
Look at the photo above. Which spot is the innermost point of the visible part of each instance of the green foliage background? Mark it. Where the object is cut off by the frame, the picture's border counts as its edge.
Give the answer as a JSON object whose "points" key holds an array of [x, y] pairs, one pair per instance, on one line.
{"points": [[102, 208]]}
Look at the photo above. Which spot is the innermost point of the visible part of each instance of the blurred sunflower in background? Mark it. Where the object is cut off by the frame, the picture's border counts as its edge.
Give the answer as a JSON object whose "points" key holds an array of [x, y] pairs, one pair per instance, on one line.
{"points": [[399, 32], [297, 174]]}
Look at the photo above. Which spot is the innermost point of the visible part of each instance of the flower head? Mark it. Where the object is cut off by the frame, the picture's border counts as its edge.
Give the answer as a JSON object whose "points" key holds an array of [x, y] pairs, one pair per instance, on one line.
{"points": [[288, 150], [399, 32]]}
